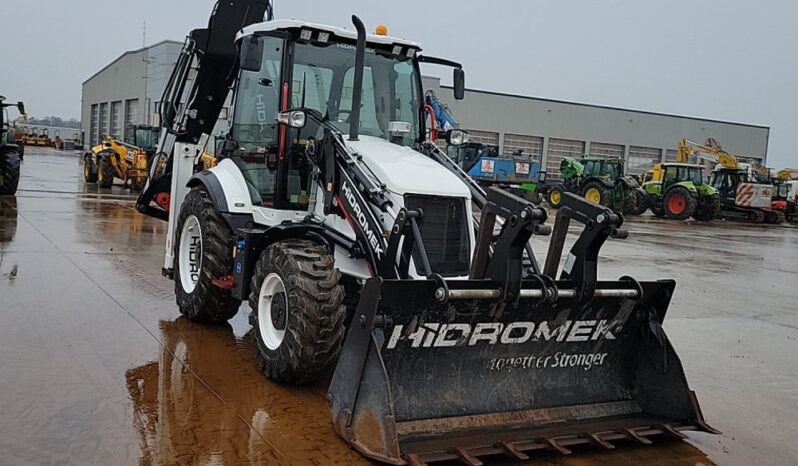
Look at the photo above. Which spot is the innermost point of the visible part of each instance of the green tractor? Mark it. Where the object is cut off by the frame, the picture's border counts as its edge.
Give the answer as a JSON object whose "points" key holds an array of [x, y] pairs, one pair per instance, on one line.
{"points": [[680, 191], [10, 158], [599, 180]]}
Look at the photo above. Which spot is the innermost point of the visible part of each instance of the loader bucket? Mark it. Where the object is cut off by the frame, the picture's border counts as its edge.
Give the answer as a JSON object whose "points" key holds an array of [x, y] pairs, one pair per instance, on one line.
{"points": [[424, 377]]}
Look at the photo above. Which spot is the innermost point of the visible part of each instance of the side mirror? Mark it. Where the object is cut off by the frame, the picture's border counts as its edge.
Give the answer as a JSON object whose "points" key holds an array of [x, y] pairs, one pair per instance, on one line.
{"points": [[21, 108], [458, 80], [251, 53]]}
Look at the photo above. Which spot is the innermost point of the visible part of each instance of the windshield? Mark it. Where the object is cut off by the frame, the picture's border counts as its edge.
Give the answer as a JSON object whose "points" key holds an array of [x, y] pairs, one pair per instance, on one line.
{"points": [[613, 170], [696, 175], [323, 79], [147, 139]]}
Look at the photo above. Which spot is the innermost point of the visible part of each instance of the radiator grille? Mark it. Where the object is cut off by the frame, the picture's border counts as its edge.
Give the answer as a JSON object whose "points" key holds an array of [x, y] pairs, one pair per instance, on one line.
{"points": [[445, 234]]}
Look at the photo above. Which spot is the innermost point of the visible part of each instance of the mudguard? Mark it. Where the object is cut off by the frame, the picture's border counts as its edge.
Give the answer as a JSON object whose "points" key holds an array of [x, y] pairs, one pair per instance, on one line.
{"points": [[227, 187]]}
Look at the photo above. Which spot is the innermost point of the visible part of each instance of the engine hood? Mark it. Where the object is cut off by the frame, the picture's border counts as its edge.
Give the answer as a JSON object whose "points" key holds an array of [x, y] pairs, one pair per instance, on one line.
{"points": [[404, 170]]}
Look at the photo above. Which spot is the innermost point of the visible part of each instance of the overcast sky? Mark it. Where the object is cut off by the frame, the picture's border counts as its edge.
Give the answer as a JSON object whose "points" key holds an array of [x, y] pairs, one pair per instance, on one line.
{"points": [[729, 60]]}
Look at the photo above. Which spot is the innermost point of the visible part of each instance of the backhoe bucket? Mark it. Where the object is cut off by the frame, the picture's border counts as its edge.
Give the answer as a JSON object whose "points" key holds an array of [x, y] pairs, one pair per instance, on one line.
{"points": [[436, 370]]}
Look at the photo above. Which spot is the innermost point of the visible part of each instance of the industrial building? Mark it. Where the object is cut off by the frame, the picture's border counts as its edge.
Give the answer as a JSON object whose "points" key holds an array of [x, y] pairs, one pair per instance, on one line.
{"points": [[128, 90], [548, 130]]}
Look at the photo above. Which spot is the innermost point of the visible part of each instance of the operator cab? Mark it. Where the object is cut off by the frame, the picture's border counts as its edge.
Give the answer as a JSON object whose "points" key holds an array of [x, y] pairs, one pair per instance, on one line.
{"points": [[675, 173], [142, 136], [611, 168], [287, 64]]}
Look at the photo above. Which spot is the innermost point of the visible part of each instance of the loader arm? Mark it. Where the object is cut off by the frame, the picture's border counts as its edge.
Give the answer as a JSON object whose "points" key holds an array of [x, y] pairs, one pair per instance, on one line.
{"points": [[196, 92]]}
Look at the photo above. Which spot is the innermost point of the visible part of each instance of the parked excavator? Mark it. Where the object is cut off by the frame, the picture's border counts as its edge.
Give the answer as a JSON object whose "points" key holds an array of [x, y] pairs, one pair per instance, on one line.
{"points": [[742, 195], [353, 239], [126, 160], [10, 158], [516, 173]]}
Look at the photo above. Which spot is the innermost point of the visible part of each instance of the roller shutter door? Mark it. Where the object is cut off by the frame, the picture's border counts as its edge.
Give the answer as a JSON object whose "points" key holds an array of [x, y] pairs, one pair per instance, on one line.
{"points": [[530, 146], [641, 159], [116, 120], [559, 148], [131, 111], [600, 149], [484, 137], [670, 155], [103, 119], [94, 133]]}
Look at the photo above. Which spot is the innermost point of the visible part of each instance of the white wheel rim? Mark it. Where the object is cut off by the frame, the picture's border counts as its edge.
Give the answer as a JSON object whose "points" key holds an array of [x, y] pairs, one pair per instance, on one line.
{"points": [[190, 254], [272, 289]]}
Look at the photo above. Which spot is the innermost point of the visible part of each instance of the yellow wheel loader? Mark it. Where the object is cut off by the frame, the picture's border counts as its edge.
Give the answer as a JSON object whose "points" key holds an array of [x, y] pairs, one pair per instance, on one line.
{"points": [[125, 160], [354, 241]]}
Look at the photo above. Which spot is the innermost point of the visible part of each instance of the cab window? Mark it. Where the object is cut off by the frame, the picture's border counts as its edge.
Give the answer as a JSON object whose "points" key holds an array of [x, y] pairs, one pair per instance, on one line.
{"points": [[255, 127]]}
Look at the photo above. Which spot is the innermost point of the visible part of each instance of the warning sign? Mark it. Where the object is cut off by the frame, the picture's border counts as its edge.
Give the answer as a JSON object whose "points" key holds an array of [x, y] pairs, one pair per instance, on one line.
{"points": [[487, 166], [522, 168]]}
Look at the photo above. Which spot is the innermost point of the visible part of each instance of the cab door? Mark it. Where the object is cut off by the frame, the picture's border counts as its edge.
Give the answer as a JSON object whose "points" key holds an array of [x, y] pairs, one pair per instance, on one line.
{"points": [[254, 129]]}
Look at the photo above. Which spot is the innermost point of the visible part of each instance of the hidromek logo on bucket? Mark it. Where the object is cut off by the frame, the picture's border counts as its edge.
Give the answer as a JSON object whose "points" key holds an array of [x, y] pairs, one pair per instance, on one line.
{"points": [[437, 335]]}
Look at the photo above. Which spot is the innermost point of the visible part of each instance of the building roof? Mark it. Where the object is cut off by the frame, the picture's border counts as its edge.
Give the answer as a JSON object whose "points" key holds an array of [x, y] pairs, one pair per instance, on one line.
{"points": [[130, 52], [606, 107]]}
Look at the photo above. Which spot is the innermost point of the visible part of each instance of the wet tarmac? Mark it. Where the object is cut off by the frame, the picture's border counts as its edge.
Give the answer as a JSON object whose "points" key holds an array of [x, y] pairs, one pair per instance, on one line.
{"points": [[98, 367]]}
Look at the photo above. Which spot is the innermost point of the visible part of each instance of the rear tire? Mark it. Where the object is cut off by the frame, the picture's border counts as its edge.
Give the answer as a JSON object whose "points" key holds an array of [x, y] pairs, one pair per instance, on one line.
{"points": [[89, 170], [10, 174], [641, 202], [708, 210], [105, 173], [204, 256], [297, 311], [679, 204]]}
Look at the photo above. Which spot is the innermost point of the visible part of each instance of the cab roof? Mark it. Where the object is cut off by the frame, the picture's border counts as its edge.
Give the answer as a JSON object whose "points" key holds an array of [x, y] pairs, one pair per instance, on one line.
{"points": [[286, 24], [677, 164]]}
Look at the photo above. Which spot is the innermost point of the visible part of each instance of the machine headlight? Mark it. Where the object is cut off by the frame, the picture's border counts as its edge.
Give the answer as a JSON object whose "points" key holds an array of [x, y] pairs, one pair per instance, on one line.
{"points": [[457, 137], [292, 118]]}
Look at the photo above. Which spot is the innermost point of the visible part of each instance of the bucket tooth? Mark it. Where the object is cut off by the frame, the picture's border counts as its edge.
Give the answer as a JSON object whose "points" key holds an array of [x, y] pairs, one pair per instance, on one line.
{"points": [[631, 434], [554, 446], [465, 457], [597, 440], [669, 430], [510, 450], [414, 460]]}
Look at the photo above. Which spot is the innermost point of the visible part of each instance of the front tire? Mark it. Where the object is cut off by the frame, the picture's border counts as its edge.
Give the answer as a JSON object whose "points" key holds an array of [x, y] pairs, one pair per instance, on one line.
{"points": [[555, 197], [297, 311], [203, 253], [679, 203], [105, 173], [89, 170], [596, 193], [10, 174]]}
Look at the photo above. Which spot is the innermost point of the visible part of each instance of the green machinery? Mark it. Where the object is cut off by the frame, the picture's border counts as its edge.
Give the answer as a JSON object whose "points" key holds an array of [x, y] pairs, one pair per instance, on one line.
{"points": [[680, 191], [10, 158], [599, 180]]}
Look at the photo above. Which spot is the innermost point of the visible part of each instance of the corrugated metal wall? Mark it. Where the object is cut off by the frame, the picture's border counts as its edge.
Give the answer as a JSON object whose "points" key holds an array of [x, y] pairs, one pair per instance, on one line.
{"points": [[600, 149], [641, 159], [558, 149], [530, 146]]}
